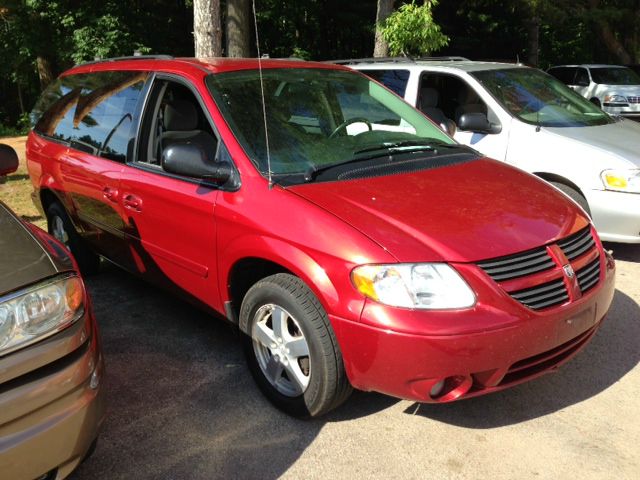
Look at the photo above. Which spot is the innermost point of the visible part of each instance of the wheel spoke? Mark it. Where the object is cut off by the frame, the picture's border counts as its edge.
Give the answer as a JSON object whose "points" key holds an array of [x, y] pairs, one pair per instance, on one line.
{"points": [[299, 380], [274, 370], [263, 334], [278, 322], [298, 347]]}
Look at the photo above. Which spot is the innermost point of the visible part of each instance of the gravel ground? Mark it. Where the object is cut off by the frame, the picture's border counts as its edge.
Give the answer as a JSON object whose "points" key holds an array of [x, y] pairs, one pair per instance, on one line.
{"points": [[182, 405]]}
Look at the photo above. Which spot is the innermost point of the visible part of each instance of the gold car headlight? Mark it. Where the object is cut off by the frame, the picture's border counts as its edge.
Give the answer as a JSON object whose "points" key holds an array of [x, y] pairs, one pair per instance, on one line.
{"points": [[39, 311]]}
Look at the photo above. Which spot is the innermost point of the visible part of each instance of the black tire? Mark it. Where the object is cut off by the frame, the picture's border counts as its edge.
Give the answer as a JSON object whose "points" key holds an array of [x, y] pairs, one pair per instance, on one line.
{"points": [[596, 102], [59, 225], [287, 297], [574, 195]]}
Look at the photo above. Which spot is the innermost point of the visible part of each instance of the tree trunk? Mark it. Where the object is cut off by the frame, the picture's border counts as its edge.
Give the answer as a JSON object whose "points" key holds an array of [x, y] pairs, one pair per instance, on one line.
{"points": [[238, 28], [608, 37], [384, 9], [45, 71], [207, 29], [533, 34]]}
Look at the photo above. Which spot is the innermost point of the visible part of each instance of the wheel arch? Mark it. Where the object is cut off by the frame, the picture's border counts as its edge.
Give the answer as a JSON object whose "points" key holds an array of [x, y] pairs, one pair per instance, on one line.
{"points": [[553, 177], [251, 259]]}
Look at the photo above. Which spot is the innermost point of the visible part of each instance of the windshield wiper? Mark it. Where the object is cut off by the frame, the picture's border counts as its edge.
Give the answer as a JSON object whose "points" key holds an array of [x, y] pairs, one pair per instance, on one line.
{"points": [[405, 146], [384, 149]]}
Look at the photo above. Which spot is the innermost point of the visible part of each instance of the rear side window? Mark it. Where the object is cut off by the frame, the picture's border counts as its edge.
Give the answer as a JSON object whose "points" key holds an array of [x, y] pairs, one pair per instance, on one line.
{"points": [[91, 112], [564, 74], [394, 80]]}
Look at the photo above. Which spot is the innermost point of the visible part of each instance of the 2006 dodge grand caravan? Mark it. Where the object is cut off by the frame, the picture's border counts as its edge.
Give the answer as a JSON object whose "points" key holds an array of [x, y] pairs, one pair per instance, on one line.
{"points": [[352, 242]]}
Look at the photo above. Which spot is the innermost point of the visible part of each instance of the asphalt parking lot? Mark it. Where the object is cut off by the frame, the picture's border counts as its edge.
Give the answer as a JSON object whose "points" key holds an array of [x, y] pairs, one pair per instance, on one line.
{"points": [[182, 405]]}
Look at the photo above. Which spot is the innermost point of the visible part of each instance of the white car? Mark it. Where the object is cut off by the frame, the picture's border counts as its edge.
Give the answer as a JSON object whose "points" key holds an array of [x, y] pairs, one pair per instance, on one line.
{"points": [[614, 88], [529, 119]]}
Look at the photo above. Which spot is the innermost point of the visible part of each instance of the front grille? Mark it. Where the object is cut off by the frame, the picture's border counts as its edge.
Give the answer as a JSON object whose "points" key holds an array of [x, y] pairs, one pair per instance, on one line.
{"points": [[589, 275], [577, 244], [519, 265], [543, 296], [633, 99], [539, 279]]}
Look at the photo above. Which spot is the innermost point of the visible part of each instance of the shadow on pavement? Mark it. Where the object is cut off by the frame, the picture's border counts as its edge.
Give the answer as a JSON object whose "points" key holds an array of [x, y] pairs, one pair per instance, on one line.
{"points": [[181, 402], [612, 353], [624, 251]]}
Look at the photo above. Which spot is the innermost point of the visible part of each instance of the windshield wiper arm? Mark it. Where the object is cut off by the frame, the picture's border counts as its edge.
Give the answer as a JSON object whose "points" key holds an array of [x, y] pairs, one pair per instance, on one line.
{"points": [[408, 146]]}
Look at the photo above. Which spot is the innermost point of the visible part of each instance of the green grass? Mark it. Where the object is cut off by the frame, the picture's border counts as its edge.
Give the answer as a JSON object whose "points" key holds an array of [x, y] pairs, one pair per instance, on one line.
{"points": [[15, 189]]}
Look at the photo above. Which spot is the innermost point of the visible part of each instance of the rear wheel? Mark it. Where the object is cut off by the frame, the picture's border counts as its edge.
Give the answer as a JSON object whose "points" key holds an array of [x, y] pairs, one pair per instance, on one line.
{"points": [[60, 226], [575, 195], [290, 347]]}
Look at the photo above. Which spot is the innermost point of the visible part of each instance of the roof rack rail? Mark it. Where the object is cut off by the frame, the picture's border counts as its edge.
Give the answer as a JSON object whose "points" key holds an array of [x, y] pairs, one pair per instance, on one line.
{"points": [[130, 57], [351, 61], [452, 58]]}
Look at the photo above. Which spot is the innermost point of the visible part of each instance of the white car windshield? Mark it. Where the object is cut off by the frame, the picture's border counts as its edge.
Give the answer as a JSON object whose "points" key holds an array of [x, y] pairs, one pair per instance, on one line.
{"points": [[614, 76], [539, 99], [318, 117]]}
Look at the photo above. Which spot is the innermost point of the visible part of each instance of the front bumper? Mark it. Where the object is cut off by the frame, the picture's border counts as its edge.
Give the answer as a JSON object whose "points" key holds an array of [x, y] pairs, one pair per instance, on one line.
{"points": [[50, 416], [497, 344], [616, 215]]}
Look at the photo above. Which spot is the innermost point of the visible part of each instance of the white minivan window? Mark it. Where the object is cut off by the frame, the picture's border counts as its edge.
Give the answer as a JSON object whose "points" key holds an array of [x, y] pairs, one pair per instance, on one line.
{"points": [[539, 99]]}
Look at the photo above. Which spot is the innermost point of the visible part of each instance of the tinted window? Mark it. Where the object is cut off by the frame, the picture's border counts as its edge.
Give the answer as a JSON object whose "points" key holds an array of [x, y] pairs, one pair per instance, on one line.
{"points": [[582, 77], [394, 80], [564, 74], [615, 76], [91, 112], [539, 99]]}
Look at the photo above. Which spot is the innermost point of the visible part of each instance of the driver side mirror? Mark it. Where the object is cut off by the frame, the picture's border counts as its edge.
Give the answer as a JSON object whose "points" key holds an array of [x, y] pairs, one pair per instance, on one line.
{"points": [[478, 123], [8, 160], [191, 160]]}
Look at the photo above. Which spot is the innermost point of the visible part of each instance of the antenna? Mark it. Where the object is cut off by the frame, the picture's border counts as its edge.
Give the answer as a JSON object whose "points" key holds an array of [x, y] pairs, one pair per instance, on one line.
{"points": [[264, 106]]}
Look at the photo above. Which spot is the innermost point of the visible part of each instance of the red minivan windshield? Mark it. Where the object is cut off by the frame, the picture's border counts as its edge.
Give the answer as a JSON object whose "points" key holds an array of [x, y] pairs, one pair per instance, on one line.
{"points": [[316, 118]]}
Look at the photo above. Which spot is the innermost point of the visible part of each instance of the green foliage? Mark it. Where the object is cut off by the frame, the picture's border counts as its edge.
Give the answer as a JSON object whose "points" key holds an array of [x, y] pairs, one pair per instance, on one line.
{"points": [[412, 31]]}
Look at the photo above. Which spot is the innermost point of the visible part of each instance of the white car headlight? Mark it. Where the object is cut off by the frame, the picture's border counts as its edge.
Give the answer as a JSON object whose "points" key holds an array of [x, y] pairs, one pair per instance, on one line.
{"points": [[622, 180], [615, 99], [421, 285], [39, 311]]}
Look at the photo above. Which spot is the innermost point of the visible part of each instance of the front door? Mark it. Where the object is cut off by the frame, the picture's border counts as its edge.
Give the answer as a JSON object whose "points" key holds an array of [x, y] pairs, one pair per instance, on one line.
{"points": [[169, 221]]}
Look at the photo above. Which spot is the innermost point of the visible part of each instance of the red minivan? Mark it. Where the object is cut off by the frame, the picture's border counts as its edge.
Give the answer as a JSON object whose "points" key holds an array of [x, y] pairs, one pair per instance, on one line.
{"points": [[351, 241]]}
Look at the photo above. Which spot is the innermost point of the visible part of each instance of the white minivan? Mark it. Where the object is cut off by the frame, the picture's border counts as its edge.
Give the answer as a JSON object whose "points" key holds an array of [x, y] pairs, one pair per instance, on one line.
{"points": [[529, 119]]}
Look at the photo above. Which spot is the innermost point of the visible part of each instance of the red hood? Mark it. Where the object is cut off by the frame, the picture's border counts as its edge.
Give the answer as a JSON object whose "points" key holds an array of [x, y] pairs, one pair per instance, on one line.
{"points": [[462, 213]]}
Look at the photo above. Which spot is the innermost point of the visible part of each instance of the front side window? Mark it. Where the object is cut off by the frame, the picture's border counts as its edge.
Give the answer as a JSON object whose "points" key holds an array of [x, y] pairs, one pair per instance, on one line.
{"points": [[315, 117], [91, 112], [539, 99], [615, 76], [394, 80]]}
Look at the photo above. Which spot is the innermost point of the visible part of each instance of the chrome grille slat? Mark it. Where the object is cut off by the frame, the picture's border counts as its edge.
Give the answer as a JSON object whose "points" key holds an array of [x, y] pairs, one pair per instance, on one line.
{"points": [[539, 306]]}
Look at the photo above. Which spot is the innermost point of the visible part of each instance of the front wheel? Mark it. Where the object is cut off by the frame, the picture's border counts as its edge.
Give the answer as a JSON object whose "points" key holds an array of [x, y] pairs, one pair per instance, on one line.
{"points": [[290, 347], [59, 225]]}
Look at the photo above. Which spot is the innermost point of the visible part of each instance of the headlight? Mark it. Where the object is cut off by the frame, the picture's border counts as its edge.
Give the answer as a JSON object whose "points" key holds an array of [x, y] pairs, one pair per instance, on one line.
{"points": [[39, 311], [615, 99], [622, 180], [423, 285]]}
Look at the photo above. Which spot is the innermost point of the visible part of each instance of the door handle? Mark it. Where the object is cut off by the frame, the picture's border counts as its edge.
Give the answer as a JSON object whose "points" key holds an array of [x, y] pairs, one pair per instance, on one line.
{"points": [[110, 194], [132, 202]]}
